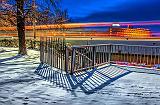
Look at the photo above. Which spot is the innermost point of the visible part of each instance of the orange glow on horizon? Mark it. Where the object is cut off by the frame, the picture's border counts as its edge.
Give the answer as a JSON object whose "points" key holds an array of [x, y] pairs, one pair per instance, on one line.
{"points": [[122, 32], [81, 25]]}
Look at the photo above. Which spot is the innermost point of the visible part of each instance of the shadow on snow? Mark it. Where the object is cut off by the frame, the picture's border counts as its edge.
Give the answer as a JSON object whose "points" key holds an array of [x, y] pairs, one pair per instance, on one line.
{"points": [[88, 81], [10, 58]]}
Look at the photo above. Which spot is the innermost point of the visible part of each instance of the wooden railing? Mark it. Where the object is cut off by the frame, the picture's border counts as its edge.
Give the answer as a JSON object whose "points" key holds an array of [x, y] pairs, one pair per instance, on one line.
{"points": [[69, 59]]}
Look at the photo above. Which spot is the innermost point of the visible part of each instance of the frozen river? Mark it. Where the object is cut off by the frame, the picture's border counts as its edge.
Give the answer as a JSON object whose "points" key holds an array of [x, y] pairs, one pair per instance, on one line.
{"points": [[19, 85]]}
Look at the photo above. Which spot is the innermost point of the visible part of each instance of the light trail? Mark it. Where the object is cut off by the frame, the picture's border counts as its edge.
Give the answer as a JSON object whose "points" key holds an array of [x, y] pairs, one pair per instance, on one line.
{"points": [[85, 25]]}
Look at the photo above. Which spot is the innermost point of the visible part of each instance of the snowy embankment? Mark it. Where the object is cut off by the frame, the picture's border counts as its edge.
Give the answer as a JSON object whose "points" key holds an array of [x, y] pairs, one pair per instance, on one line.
{"points": [[19, 85]]}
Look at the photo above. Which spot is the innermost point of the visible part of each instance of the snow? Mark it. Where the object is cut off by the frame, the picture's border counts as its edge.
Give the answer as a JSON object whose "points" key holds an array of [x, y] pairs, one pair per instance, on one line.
{"points": [[19, 85]]}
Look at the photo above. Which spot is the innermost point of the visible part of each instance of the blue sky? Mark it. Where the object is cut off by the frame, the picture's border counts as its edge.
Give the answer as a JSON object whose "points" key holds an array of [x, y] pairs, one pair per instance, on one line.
{"points": [[112, 10]]}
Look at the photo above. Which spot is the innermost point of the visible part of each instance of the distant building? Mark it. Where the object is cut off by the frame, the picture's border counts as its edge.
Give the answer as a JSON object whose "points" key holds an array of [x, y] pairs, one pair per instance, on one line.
{"points": [[129, 32]]}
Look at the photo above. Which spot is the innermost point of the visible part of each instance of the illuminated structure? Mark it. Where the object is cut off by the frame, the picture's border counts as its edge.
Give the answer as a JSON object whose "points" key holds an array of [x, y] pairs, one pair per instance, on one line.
{"points": [[129, 32]]}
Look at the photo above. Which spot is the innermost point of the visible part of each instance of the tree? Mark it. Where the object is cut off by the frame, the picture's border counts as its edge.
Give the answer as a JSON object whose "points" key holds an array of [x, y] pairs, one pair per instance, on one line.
{"points": [[21, 27], [21, 12]]}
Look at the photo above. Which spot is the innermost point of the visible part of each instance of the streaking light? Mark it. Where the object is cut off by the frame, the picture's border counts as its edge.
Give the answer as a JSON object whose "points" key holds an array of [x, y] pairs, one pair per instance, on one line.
{"points": [[116, 25]]}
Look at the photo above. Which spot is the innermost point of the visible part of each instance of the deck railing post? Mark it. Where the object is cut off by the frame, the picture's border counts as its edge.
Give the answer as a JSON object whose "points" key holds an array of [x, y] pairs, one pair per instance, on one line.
{"points": [[109, 53], [41, 50], [48, 50], [73, 57], [94, 56], [66, 59]]}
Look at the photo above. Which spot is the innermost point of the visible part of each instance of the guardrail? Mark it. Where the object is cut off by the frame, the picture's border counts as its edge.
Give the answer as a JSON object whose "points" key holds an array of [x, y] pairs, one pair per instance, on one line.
{"points": [[55, 52]]}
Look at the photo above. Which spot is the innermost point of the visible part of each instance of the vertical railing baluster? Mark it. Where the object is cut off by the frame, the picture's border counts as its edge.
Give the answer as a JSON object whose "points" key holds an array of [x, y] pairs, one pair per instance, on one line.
{"points": [[94, 56], [61, 52], [64, 53], [57, 61], [136, 51], [130, 50], [46, 51], [53, 52], [102, 54], [89, 56], [80, 58], [73, 60], [144, 60], [99, 48], [141, 50], [51, 55], [121, 53], [158, 55], [155, 53], [105, 51], [151, 55], [135, 55], [66, 59], [147, 55], [41, 53], [109, 53]]}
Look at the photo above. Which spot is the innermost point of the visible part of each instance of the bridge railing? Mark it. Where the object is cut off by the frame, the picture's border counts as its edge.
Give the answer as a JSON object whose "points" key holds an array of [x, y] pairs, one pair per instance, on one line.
{"points": [[55, 52], [136, 55], [131, 55]]}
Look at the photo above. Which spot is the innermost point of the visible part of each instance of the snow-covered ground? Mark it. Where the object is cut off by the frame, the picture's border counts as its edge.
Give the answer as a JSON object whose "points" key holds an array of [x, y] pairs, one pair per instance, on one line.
{"points": [[19, 85]]}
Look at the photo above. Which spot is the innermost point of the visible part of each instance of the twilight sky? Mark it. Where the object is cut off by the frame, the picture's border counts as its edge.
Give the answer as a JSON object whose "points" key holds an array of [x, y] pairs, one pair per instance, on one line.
{"points": [[112, 10]]}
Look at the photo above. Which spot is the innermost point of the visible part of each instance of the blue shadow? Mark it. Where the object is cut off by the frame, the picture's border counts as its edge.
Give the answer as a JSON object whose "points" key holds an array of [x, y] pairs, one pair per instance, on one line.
{"points": [[11, 58], [89, 81]]}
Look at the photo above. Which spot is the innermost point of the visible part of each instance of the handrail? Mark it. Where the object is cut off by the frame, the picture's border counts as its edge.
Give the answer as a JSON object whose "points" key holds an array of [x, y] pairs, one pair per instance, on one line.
{"points": [[83, 46]]}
